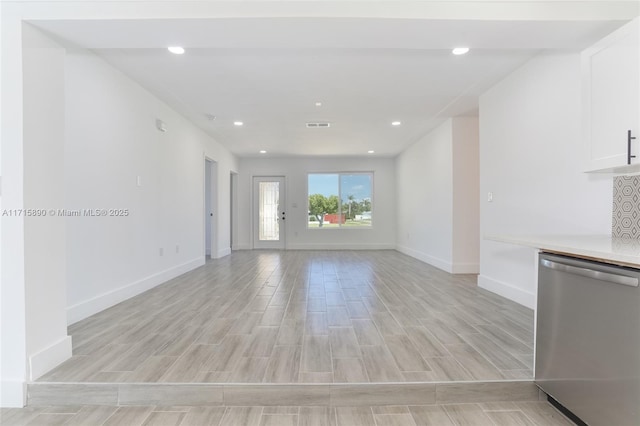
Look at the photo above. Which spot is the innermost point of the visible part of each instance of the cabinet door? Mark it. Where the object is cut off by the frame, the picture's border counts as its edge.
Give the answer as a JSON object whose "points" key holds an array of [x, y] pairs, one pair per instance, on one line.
{"points": [[611, 98]]}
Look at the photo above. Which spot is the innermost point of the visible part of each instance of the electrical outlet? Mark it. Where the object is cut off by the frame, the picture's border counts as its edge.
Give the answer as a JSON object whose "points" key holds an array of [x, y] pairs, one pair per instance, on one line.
{"points": [[177, 249], [161, 251]]}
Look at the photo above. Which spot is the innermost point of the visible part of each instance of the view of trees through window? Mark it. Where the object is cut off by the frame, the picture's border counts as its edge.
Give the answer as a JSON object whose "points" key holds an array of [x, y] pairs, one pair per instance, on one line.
{"points": [[340, 200]]}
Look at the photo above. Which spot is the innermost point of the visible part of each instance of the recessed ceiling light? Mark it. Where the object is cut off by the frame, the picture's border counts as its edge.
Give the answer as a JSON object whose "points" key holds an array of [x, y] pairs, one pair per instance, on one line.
{"points": [[396, 123], [370, 151], [318, 104], [238, 123], [460, 50], [262, 151], [176, 50]]}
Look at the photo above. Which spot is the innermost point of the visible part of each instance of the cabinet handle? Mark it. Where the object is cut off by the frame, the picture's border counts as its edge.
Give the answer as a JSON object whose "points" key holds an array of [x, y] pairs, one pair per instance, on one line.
{"points": [[629, 139]]}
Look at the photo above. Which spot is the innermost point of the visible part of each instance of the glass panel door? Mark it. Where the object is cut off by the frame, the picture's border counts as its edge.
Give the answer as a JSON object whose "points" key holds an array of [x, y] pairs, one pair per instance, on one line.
{"points": [[268, 203], [269, 212]]}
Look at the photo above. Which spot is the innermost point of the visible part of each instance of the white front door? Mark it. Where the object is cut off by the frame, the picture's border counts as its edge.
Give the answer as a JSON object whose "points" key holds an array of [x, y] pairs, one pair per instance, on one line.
{"points": [[269, 212]]}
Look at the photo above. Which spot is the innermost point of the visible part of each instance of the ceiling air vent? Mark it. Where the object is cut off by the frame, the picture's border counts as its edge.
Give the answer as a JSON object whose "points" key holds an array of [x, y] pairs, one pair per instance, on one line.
{"points": [[318, 125]]}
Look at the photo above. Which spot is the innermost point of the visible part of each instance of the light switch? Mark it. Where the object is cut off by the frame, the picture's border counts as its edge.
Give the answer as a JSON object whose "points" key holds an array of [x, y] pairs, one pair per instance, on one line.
{"points": [[139, 180], [490, 196]]}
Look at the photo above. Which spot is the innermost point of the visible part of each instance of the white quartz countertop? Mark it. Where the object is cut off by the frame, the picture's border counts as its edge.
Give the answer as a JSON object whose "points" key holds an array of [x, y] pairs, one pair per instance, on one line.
{"points": [[621, 251]]}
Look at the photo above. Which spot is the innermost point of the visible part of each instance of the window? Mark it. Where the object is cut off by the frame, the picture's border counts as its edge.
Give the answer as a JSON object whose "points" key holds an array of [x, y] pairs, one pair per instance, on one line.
{"points": [[340, 200]]}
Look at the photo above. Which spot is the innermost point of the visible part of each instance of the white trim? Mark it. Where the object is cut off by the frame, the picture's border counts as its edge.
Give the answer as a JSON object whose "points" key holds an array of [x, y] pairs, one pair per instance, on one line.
{"points": [[242, 247], [224, 252], [48, 358], [466, 268], [507, 290], [99, 303], [452, 268], [426, 258], [345, 246], [13, 394]]}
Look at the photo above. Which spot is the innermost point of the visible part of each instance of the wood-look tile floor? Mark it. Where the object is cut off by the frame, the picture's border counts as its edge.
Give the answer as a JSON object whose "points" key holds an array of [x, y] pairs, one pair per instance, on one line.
{"points": [[485, 414], [306, 317]]}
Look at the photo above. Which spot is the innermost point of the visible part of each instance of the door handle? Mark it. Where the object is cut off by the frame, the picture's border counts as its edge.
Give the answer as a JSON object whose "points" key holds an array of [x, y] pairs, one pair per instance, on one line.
{"points": [[629, 139], [591, 273]]}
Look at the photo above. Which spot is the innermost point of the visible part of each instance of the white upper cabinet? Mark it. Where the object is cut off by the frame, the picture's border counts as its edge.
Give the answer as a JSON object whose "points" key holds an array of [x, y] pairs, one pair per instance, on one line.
{"points": [[611, 101]]}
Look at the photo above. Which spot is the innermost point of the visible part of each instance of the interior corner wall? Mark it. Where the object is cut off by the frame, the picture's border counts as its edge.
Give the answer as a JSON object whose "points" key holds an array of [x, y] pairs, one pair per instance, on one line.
{"points": [[425, 198], [381, 235], [150, 183], [466, 195], [47, 342], [530, 150], [13, 349]]}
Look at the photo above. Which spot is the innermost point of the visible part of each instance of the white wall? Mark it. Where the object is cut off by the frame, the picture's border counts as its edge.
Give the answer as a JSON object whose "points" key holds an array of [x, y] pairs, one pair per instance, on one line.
{"points": [[425, 198], [530, 151], [437, 197], [44, 234], [381, 236], [34, 335], [466, 195], [13, 350], [111, 140]]}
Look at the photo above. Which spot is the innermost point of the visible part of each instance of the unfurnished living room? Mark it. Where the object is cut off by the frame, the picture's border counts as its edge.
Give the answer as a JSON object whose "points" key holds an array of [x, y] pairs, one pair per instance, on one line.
{"points": [[319, 213]]}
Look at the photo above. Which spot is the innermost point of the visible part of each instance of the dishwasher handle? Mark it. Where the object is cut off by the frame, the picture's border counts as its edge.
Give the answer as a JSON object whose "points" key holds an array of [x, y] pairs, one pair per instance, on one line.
{"points": [[591, 273]]}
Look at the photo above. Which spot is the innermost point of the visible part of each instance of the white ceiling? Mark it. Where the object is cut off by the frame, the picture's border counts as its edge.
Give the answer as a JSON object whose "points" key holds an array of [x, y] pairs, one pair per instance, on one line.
{"points": [[269, 72]]}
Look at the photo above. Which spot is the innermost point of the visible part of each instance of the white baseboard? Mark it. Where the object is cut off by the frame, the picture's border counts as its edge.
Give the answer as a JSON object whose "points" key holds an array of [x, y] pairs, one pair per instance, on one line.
{"points": [[452, 268], [223, 252], [13, 394], [242, 247], [465, 268], [426, 258], [48, 358], [506, 290], [346, 246], [99, 303]]}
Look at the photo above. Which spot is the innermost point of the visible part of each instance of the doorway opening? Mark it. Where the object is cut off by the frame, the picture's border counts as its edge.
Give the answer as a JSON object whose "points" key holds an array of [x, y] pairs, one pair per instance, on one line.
{"points": [[210, 204], [233, 208]]}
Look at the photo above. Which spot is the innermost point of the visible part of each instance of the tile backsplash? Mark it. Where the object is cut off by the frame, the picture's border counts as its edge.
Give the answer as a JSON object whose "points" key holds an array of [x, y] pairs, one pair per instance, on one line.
{"points": [[626, 207]]}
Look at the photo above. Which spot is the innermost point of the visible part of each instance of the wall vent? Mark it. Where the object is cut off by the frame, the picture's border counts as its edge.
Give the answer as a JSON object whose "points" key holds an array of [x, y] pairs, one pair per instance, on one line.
{"points": [[317, 125]]}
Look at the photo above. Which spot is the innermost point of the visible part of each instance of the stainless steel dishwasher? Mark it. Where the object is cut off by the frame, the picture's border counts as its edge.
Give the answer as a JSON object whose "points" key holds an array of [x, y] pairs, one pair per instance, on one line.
{"points": [[588, 339]]}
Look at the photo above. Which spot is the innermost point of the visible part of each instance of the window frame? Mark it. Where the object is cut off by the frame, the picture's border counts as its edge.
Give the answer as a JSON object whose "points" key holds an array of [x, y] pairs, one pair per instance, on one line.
{"points": [[371, 175]]}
